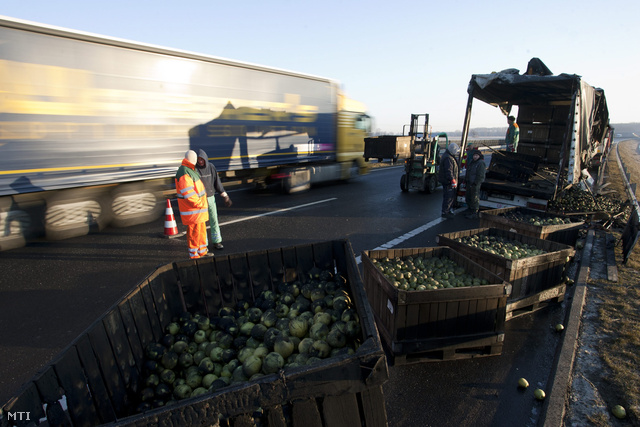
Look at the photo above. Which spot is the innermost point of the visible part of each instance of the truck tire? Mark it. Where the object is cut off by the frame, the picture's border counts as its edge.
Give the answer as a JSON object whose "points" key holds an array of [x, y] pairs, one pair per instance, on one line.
{"points": [[15, 224], [73, 213], [354, 170], [133, 204], [404, 184]]}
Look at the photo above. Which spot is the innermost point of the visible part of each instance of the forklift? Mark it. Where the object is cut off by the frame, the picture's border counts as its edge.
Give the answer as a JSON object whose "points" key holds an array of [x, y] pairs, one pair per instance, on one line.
{"points": [[421, 167]]}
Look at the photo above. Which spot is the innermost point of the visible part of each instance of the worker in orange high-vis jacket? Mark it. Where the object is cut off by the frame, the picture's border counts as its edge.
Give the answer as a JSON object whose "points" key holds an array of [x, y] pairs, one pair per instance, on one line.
{"points": [[192, 203]]}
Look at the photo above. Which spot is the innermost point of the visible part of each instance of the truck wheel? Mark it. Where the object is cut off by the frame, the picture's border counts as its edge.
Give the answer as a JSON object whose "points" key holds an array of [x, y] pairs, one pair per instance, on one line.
{"points": [[404, 185], [354, 170], [72, 213], [380, 159], [133, 204], [430, 185], [15, 225]]}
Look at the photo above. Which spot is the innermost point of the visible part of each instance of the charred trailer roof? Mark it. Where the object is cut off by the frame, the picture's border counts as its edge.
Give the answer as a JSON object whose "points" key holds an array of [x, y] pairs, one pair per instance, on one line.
{"points": [[538, 86]]}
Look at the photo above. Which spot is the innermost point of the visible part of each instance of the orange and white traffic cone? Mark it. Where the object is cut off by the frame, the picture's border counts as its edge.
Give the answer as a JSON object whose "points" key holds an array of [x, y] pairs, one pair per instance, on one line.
{"points": [[170, 226]]}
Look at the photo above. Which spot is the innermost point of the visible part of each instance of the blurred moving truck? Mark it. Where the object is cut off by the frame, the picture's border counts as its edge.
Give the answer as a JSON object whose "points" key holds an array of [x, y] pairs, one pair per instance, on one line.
{"points": [[564, 135], [92, 129]]}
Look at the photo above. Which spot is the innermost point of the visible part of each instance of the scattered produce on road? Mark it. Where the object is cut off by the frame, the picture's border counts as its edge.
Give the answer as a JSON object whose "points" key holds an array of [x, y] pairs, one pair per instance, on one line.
{"points": [[523, 383], [539, 394], [425, 273], [301, 323], [619, 411]]}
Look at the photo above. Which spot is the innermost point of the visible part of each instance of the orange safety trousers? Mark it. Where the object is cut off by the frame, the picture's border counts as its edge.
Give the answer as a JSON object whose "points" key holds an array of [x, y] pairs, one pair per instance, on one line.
{"points": [[197, 239]]}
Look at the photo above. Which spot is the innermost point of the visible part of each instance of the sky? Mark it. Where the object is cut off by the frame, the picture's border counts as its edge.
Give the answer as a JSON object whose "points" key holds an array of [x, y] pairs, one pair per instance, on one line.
{"points": [[397, 57]]}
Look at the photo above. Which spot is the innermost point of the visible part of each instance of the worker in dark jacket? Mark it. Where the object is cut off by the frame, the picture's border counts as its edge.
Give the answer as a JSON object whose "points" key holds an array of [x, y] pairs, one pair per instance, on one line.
{"points": [[474, 178], [448, 177], [212, 184]]}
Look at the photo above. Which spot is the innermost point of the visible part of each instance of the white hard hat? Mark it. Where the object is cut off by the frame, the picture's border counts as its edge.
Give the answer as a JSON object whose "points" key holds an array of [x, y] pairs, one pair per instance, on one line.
{"points": [[191, 156], [453, 148]]}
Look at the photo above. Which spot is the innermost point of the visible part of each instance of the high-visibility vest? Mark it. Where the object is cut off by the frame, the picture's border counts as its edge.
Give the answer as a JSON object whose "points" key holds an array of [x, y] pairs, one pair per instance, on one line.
{"points": [[192, 197]]}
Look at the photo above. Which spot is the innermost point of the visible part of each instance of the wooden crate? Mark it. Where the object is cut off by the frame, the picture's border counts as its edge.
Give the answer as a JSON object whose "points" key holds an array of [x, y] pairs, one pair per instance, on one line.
{"points": [[566, 234], [438, 324], [530, 277], [98, 375]]}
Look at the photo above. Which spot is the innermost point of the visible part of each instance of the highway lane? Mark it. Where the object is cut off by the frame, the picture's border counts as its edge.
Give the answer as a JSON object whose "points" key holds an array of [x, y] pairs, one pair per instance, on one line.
{"points": [[51, 291]]}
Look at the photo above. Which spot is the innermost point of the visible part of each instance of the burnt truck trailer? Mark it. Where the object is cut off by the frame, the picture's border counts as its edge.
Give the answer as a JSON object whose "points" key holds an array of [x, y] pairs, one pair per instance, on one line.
{"points": [[564, 132], [92, 129]]}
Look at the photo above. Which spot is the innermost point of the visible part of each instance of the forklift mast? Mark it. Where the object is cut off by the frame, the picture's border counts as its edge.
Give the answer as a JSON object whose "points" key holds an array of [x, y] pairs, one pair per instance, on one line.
{"points": [[414, 128]]}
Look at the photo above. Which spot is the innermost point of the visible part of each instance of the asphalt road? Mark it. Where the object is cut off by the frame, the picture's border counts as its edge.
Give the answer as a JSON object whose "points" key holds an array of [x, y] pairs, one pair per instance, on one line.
{"points": [[51, 291]]}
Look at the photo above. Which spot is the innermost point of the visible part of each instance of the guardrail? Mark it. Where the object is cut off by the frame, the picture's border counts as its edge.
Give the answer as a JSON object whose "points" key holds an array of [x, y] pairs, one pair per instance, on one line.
{"points": [[631, 232]]}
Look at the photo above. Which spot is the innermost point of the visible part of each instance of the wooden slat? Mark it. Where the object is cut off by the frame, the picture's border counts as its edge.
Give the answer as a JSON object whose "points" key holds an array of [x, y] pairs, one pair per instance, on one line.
{"points": [[275, 417], [48, 385], [464, 323], [210, 287], [152, 315], [305, 413], [290, 264], [131, 330], [277, 268], [425, 329], [374, 407], [412, 325], [167, 295], [190, 286], [341, 411], [51, 392], [109, 368], [259, 271], [73, 380], [141, 318], [341, 251], [28, 401], [122, 351], [241, 277], [323, 255], [304, 258], [225, 280], [99, 393]]}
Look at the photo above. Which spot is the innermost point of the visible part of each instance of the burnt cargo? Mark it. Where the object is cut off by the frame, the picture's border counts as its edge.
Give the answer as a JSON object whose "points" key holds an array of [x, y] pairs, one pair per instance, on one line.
{"points": [[437, 324], [94, 381], [511, 219], [535, 280]]}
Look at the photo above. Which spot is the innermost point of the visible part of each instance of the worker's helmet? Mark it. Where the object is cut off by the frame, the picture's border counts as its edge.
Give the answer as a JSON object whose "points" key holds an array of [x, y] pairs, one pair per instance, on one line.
{"points": [[191, 156], [454, 149]]}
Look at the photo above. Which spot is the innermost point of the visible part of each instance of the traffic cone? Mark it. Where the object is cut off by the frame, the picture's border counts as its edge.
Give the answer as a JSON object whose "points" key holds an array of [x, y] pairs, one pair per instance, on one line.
{"points": [[170, 226]]}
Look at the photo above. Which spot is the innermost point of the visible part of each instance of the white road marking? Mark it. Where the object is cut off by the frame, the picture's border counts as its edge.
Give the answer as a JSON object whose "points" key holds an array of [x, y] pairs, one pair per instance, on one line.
{"points": [[277, 212], [391, 243]]}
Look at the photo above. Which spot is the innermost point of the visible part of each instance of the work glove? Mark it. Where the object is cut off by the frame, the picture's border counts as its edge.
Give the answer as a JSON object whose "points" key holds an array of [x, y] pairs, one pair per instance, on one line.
{"points": [[227, 199], [454, 184]]}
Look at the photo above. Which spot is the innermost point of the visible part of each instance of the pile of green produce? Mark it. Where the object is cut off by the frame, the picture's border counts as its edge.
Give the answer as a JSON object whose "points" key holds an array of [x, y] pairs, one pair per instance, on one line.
{"points": [[575, 200], [533, 219], [498, 245], [299, 324], [421, 274]]}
